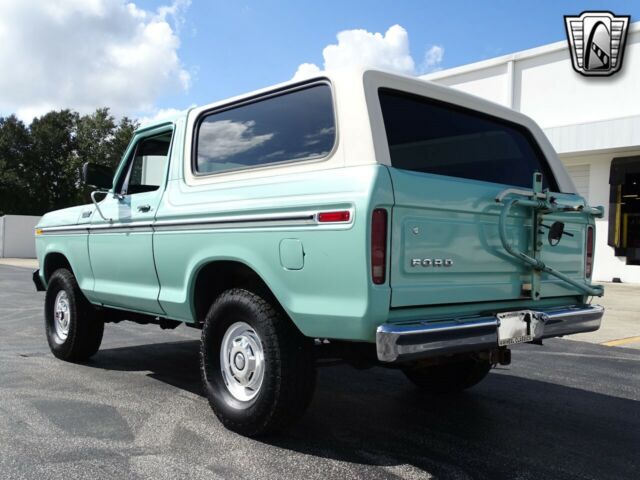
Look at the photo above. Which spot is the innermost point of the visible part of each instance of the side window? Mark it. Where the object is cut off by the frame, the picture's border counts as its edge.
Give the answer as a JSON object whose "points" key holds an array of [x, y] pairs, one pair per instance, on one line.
{"points": [[147, 167], [293, 126]]}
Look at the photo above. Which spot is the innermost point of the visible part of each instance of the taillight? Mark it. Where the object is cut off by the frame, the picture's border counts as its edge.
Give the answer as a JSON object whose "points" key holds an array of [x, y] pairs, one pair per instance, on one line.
{"points": [[378, 245], [588, 253]]}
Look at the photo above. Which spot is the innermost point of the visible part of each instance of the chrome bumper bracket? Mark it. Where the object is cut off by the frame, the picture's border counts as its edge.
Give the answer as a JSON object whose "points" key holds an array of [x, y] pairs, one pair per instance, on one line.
{"points": [[422, 339]]}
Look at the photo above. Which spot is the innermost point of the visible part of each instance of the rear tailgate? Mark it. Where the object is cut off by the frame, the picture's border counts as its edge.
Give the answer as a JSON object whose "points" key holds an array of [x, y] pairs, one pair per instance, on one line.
{"points": [[448, 166], [445, 245]]}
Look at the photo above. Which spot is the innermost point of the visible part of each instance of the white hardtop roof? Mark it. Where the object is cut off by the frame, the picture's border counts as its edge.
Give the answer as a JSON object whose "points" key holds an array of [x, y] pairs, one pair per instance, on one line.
{"points": [[354, 74], [372, 78]]}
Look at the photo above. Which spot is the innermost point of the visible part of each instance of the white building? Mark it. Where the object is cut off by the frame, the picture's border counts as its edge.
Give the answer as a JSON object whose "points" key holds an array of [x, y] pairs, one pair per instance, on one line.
{"points": [[594, 125]]}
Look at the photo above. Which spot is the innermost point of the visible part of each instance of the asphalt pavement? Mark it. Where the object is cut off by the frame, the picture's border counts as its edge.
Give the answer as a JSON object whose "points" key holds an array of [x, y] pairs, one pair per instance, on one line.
{"points": [[567, 410]]}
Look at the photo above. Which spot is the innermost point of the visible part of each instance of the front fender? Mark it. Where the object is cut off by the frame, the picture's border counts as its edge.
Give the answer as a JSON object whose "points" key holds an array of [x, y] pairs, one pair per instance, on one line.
{"points": [[74, 248]]}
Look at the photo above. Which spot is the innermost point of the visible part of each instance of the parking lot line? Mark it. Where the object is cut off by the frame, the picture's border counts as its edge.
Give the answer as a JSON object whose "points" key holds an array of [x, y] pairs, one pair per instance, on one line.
{"points": [[622, 341]]}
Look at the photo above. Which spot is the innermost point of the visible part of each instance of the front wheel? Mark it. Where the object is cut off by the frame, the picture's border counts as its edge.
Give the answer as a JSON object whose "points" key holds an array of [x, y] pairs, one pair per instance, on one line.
{"points": [[450, 377], [257, 369], [73, 327]]}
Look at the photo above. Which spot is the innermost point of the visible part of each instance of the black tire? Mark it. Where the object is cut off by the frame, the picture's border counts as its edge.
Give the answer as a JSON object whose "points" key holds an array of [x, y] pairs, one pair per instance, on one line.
{"points": [[289, 367], [85, 327], [450, 377]]}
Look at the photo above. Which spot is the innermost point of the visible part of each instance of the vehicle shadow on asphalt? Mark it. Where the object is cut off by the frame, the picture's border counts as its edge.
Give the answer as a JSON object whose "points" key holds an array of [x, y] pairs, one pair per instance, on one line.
{"points": [[504, 427], [174, 363]]}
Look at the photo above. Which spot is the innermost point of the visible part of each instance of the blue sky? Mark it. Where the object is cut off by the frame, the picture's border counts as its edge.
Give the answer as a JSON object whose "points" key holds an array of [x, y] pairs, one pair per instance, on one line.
{"points": [[233, 47], [143, 57]]}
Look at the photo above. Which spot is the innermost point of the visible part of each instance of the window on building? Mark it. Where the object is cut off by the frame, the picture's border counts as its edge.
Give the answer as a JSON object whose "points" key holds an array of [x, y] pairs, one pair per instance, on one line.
{"points": [[293, 126], [428, 136]]}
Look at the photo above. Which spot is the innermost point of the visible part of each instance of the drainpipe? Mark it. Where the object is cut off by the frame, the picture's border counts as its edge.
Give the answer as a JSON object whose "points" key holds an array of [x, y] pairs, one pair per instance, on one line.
{"points": [[511, 79]]}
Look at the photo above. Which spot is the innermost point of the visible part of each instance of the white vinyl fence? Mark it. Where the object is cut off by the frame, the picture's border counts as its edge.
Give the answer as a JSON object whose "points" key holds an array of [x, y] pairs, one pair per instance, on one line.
{"points": [[17, 236]]}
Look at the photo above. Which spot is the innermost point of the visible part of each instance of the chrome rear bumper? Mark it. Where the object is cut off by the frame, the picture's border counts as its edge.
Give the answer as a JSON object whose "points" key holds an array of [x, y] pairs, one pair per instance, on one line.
{"points": [[421, 339]]}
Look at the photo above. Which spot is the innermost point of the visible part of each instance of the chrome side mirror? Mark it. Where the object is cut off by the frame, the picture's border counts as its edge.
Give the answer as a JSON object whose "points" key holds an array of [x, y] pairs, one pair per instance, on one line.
{"points": [[97, 205]]}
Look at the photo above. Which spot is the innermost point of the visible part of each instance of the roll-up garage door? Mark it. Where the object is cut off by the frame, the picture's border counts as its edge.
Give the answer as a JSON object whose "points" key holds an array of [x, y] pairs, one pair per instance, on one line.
{"points": [[580, 176]]}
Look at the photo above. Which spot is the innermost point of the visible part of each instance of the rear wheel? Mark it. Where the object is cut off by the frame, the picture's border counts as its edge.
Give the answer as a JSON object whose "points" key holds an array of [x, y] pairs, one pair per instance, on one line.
{"points": [[258, 370], [450, 377], [73, 327]]}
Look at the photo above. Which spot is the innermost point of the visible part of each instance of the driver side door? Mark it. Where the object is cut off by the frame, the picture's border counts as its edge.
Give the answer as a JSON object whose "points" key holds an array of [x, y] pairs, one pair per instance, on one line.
{"points": [[121, 247]]}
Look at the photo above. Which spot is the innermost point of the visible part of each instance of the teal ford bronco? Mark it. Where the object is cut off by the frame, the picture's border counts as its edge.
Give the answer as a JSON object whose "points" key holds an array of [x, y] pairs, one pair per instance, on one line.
{"points": [[360, 215]]}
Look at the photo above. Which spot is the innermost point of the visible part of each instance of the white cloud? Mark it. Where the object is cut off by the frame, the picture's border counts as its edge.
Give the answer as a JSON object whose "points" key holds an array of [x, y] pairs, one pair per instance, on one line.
{"points": [[83, 54], [224, 138], [160, 114], [432, 59], [306, 70], [360, 47], [388, 51]]}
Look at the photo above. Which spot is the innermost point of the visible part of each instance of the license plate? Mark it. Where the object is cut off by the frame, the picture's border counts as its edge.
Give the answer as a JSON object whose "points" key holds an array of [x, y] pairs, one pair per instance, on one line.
{"points": [[518, 327]]}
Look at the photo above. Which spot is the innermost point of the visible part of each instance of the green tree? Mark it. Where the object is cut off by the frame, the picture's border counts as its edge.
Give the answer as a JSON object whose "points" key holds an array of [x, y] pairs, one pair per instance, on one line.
{"points": [[99, 140], [15, 149], [122, 136], [41, 165], [54, 150]]}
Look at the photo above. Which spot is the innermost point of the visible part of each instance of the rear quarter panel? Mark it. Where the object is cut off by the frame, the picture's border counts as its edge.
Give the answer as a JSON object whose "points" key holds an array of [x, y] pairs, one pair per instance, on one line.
{"points": [[332, 295]]}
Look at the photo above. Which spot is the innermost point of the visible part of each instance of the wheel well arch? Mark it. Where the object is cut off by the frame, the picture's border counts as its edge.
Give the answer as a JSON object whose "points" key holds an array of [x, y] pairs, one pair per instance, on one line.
{"points": [[52, 262], [216, 276]]}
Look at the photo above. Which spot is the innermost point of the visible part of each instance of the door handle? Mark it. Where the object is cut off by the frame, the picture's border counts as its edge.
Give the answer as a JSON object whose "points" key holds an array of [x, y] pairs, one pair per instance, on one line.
{"points": [[144, 208]]}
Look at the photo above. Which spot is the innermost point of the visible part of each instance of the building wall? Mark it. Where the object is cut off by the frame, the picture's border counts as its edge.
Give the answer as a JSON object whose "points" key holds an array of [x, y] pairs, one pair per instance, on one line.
{"points": [[541, 83], [17, 236], [607, 265], [491, 83]]}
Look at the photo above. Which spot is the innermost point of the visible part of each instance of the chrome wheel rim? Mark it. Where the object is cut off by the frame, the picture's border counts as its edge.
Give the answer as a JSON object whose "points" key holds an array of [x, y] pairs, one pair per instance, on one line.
{"points": [[62, 315], [242, 361]]}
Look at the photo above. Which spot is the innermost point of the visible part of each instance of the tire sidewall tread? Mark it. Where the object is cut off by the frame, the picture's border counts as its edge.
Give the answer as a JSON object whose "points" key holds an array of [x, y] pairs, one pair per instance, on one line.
{"points": [[86, 328], [289, 378]]}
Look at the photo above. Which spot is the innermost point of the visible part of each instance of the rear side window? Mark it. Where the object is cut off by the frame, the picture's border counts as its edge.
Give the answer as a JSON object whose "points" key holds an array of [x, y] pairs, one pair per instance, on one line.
{"points": [[433, 137], [293, 126]]}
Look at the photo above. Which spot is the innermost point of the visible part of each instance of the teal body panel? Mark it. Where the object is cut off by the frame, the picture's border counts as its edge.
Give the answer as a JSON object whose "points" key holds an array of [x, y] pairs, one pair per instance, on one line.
{"points": [[121, 257], [456, 219], [446, 312], [331, 295], [291, 254], [72, 246], [319, 273], [75, 249], [124, 270]]}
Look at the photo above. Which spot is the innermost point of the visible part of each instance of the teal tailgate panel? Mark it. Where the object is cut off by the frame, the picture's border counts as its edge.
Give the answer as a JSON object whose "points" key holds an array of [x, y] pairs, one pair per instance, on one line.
{"points": [[438, 217]]}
